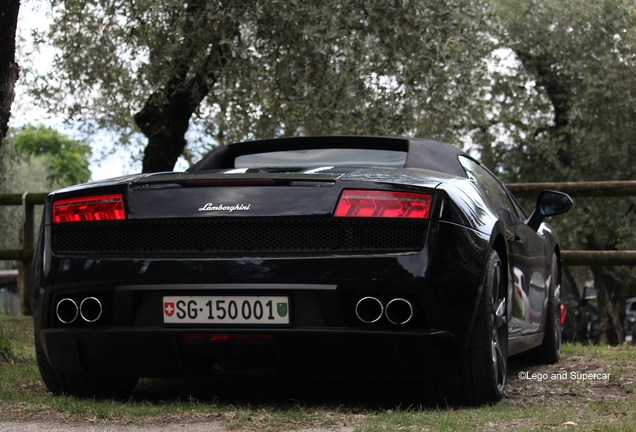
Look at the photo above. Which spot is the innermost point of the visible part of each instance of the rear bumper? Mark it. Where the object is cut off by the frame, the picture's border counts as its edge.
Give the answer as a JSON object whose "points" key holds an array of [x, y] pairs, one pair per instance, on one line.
{"points": [[171, 353], [130, 338]]}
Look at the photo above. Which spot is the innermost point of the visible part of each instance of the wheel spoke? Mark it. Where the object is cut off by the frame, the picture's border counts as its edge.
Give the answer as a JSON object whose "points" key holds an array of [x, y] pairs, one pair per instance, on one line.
{"points": [[499, 331], [499, 363], [500, 314]]}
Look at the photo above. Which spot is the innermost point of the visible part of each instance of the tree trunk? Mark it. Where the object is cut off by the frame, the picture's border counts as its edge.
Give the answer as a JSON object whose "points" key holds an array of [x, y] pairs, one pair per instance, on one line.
{"points": [[611, 296], [560, 95], [164, 120], [165, 117], [8, 68]]}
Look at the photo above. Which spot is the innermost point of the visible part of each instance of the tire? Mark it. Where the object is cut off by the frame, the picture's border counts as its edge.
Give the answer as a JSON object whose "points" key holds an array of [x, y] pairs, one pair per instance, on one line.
{"points": [[481, 377], [549, 352], [48, 377], [82, 385]]}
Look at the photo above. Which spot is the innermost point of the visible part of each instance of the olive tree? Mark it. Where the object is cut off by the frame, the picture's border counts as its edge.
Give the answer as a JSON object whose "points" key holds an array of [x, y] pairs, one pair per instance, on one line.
{"points": [[232, 70]]}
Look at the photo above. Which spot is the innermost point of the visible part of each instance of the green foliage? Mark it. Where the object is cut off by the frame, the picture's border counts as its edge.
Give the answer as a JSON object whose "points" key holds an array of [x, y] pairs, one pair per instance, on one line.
{"points": [[66, 159], [284, 67], [561, 107], [36, 159], [571, 93], [370, 68], [579, 58]]}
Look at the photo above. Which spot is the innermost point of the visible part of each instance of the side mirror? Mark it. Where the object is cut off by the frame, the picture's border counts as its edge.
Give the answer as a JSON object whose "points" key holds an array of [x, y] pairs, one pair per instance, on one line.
{"points": [[549, 203]]}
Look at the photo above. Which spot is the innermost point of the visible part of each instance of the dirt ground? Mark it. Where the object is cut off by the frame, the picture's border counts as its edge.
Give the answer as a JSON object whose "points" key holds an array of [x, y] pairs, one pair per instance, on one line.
{"points": [[578, 381], [580, 378]]}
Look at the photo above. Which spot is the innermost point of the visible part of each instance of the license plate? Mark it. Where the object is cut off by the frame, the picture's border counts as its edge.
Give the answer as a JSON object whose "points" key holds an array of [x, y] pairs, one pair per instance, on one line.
{"points": [[226, 310]]}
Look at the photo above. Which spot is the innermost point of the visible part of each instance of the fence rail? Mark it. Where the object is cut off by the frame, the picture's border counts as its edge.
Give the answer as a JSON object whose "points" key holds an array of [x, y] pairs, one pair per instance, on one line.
{"points": [[598, 258], [20, 199], [576, 189], [523, 190]]}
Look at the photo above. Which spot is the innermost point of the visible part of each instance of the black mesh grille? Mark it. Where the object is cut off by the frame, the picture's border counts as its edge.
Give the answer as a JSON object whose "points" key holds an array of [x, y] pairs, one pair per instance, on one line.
{"points": [[240, 236]]}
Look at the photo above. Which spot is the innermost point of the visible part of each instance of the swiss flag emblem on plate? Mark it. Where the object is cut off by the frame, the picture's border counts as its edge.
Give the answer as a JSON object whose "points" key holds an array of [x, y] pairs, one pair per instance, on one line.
{"points": [[168, 308]]}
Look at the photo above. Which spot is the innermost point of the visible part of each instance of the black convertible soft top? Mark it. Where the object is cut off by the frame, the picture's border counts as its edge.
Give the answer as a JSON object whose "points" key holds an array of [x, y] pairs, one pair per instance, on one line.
{"points": [[421, 153]]}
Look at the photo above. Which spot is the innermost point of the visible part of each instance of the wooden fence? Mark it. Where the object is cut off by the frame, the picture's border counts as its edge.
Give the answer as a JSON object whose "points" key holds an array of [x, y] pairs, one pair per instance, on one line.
{"points": [[23, 256], [523, 190], [587, 190]]}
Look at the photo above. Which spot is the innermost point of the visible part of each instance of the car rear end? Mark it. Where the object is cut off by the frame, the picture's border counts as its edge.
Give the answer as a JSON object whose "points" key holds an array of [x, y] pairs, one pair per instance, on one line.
{"points": [[180, 275]]}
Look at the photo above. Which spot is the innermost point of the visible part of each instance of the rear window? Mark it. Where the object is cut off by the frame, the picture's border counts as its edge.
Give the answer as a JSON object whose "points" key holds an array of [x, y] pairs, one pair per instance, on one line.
{"points": [[333, 157]]}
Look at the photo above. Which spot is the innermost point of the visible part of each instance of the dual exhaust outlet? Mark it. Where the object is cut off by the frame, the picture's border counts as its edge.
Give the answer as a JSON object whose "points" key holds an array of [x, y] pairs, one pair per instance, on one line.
{"points": [[68, 311], [370, 310]]}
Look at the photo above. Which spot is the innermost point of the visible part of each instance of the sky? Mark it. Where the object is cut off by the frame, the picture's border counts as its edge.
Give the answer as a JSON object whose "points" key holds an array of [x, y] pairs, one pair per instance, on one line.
{"points": [[34, 15]]}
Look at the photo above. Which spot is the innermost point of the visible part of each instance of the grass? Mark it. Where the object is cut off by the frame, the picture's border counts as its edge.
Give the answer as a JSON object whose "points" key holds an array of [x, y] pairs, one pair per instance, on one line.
{"points": [[6, 350], [271, 404]]}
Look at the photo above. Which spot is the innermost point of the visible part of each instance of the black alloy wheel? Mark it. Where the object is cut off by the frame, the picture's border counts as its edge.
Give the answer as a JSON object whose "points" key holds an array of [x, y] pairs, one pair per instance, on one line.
{"points": [[481, 377]]}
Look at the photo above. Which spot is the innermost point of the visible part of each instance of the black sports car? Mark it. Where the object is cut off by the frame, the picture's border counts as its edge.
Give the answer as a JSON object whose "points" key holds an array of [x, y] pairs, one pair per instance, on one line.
{"points": [[343, 254]]}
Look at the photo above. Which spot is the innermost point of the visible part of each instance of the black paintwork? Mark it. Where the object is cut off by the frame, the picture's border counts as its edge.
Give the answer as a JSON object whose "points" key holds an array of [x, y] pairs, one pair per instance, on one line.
{"points": [[441, 278]]}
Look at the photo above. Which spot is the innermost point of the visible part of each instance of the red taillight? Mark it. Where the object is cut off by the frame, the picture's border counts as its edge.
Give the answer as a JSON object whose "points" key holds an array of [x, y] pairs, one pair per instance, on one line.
{"points": [[92, 208], [563, 308], [386, 204]]}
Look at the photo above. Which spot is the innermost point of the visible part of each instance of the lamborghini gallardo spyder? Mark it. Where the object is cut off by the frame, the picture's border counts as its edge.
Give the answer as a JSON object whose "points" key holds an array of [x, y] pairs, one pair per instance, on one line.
{"points": [[354, 255]]}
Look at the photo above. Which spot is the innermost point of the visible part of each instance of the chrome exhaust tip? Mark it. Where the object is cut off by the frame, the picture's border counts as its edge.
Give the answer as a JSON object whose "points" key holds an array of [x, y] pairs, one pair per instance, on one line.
{"points": [[369, 310], [90, 309], [66, 311], [399, 311]]}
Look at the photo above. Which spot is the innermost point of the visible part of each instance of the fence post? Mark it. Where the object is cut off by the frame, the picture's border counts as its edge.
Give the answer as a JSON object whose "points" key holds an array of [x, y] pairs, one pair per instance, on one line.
{"points": [[25, 266]]}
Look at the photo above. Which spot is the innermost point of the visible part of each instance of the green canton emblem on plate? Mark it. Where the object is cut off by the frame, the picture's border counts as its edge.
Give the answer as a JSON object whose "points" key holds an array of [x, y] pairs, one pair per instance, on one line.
{"points": [[282, 309]]}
